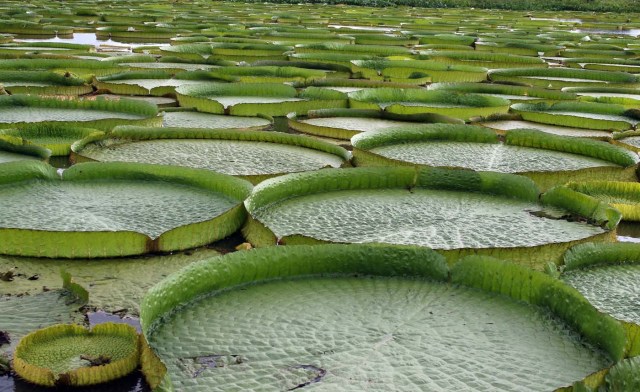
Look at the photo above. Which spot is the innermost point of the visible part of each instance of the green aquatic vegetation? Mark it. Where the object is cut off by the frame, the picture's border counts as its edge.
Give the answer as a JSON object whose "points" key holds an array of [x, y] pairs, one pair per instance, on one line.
{"points": [[513, 93], [15, 149], [228, 51], [518, 47], [414, 101], [338, 48], [260, 74], [465, 211], [103, 114], [401, 70], [254, 155], [155, 82], [482, 59], [621, 195], [367, 338], [282, 283], [56, 138], [39, 82], [516, 124], [558, 78], [448, 226], [193, 119], [547, 159], [346, 123], [590, 115], [253, 99], [119, 209], [607, 274], [70, 355]]}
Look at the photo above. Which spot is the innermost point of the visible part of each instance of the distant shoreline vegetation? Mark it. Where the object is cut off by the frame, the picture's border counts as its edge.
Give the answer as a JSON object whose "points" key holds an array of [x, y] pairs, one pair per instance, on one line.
{"points": [[522, 5]]}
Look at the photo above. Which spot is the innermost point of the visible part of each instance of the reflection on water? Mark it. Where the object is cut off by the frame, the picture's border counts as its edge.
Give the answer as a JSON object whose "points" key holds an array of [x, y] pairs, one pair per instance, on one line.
{"points": [[91, 39]]}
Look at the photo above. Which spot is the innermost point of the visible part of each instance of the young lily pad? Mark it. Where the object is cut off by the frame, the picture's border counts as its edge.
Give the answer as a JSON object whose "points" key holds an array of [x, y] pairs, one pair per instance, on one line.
{"points": [[369, 331], [628, 97], [455, 211], [103, 210], [253, 155], [481, 59], [70, 355]]}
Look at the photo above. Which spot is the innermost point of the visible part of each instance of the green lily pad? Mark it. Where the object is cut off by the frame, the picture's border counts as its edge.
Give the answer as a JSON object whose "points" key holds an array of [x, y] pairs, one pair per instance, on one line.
{"points": [[508, 125], [70, 355], [191, 119], [612, 289], [456, 211], [454, 220], [258, 319], [355, 334], [102, 210], [254, 155]]}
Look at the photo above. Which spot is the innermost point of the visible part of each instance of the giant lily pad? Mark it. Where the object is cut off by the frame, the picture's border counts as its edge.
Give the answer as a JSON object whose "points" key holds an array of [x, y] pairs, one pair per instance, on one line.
{"points": [[579, 114], [512, 122], [103, 210], [558, 78], [414, 101], [512, 93], [155, 83], [253, 155], [103, 114], [192, 119], [252, 99], [547, 159], [15, 149], [607, 275], [57, 138], [372, 330], [345, 123], [621, 195], [455, 211], [405, 70], [39, 82]]}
